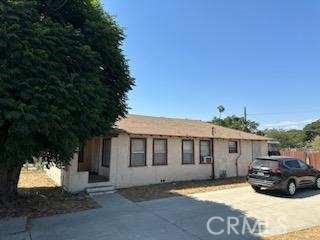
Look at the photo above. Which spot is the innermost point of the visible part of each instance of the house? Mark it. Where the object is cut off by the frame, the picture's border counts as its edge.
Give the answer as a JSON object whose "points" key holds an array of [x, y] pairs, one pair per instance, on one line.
{"points": [[142, 150]]}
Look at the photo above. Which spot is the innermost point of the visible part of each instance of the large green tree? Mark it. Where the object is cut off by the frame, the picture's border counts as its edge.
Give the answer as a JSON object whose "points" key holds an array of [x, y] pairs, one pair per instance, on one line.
{"points": [[63, 79], [239, 123]]}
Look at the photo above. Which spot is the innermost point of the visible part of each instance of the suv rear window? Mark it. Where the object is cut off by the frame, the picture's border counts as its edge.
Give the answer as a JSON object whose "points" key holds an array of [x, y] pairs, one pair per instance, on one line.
{"points": [[265, 163]]}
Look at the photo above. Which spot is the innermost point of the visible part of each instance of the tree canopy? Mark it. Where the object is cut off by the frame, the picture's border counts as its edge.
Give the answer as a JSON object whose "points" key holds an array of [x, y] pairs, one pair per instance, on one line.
{"points": [[308, 137], [63, 79], [316, 143], [312, 130], [292, 138], [288, 138], [239, 123]]}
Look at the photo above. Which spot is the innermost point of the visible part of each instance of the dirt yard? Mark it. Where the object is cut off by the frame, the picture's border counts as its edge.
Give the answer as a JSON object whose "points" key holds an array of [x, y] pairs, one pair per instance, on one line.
{"points": [[138, 194], [39, 196]]}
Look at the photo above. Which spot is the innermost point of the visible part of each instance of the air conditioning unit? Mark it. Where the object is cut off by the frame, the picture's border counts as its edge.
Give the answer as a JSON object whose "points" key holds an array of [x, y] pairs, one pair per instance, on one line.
{"points": [[207, 159]]}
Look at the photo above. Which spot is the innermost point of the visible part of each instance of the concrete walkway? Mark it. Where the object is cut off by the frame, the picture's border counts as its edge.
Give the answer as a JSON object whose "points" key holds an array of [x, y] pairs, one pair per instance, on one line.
{"points": [[14, 229], [183, 217]]}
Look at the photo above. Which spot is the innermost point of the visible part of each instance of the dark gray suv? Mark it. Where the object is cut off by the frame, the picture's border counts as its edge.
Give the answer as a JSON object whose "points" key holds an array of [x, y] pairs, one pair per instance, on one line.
{"points": [[282, 173]]}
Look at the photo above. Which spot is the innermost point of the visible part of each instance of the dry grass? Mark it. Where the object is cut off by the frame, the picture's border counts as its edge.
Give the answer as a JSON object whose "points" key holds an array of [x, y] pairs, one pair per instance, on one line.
{"points": [[33, 179], [138, 194], [307, 234], [39, 196]]}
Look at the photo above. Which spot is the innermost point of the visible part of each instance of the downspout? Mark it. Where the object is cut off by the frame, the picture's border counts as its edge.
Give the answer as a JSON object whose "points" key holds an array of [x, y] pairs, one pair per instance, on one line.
{"points": [[213, 158], [237, 159], [212, 153], [252, 154]]}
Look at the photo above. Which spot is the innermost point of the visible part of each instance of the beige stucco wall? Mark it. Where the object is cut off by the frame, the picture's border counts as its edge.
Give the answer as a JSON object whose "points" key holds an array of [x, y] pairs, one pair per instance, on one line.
{"points": [[56, 174], [70, 178], [121, 175], [124, 176], [226, 162]]}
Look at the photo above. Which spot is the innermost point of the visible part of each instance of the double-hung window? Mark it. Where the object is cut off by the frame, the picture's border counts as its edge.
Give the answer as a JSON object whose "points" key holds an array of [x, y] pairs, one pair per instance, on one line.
{"points": [[137, 152], [187, 152], [205, 150], [233, 147], [160, 151]]}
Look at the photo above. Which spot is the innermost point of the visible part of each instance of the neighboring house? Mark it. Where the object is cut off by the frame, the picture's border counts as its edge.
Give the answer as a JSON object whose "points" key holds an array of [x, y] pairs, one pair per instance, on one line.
{"points": [[143, 150]]}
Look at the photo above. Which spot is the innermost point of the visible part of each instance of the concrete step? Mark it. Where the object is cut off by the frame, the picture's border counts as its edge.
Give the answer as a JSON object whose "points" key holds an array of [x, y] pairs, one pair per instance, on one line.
{"points": [[100, 190], [101, 193]]}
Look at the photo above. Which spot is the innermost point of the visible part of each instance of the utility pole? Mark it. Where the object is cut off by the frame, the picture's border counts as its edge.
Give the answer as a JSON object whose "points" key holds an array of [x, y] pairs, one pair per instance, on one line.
{"points": [[245, 117]]}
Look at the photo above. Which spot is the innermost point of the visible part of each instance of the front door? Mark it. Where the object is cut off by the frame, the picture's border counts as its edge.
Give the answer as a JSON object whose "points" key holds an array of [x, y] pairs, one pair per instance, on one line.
{"points": [[95, 154], [106, 156]]}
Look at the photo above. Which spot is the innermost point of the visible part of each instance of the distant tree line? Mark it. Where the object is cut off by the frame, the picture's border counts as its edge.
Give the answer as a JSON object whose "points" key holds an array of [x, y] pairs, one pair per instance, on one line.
{"points": [[308, 137]]}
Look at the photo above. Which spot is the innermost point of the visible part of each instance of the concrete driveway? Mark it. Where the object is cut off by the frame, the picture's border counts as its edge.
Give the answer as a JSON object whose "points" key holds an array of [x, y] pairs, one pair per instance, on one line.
{"points": [[184, 217]]}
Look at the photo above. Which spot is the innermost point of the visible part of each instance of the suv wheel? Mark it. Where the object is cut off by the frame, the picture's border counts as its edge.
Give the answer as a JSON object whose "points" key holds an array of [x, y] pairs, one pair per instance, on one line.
{"points": [[317, 185], [256, 188], [291, 188]]}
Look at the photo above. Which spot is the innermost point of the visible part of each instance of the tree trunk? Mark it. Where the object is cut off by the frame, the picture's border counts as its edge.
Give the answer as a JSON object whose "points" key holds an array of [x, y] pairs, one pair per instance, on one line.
{"points": [[9, 177]]}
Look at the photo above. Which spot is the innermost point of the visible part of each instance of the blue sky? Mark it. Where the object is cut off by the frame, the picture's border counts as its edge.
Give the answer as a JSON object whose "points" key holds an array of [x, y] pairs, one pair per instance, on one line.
{"points": [[189, 56]]}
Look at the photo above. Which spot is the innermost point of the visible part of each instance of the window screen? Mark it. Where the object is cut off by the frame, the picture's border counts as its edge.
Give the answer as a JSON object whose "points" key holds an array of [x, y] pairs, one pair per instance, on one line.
{"points": [[159, 151], [187, 151], [204, 149], [233, 147], [138, 152]]}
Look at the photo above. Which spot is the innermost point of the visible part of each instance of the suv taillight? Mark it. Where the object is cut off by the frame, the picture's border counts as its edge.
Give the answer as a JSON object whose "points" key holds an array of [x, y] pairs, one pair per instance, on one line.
{"points": [[276, 169]]}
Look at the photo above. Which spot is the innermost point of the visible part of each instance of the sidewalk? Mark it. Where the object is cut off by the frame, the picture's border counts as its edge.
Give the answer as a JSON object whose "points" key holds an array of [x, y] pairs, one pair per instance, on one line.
{"points": [[14, 229]]}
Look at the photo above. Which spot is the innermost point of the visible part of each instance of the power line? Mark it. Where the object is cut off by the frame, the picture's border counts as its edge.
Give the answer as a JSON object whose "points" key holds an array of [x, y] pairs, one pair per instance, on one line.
{"points": [[282, 113]]}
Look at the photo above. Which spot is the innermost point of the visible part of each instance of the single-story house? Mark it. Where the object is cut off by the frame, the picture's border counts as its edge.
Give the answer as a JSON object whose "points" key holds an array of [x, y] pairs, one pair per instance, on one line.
{"points": [[142, 150]]}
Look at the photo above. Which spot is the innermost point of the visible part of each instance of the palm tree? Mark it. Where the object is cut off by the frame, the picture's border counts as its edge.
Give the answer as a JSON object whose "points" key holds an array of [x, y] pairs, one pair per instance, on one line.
{"points": [[221, 110]]}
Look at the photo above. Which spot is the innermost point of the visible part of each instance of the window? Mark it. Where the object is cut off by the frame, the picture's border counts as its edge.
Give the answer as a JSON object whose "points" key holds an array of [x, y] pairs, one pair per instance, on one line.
{"points": [[292, 163], [137, 152], [81, 153], [160, 151], [233, 147], [106, 152], [303, 165], [205, 149], [187, 152]]}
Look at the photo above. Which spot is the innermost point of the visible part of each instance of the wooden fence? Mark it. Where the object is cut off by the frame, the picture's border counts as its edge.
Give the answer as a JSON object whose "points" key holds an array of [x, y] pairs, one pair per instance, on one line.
{"points": [[310, 157], [314, 159]]}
